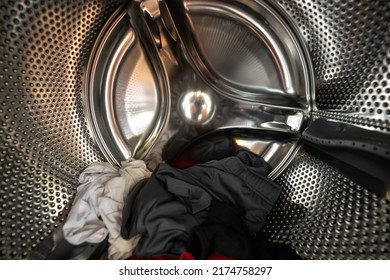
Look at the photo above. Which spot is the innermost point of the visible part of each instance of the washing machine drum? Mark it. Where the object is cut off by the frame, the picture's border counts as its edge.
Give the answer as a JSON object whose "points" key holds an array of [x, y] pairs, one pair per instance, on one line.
{"points": [[303, 84], [169, 73]]}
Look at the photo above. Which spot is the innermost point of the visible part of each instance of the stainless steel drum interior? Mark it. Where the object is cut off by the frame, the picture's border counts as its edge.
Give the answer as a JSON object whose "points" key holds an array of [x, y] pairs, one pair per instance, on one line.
{"points": [[260, 84], [79, 85]]}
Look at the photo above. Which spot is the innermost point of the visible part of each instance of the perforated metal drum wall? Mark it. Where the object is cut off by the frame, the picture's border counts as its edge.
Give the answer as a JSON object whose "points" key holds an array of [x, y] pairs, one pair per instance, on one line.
{"points": [[349, 43], [45, 144], [324, 215], [44, 141]]}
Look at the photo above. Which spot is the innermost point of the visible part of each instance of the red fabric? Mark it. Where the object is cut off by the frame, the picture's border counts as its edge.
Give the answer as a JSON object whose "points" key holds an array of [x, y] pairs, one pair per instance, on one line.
{"points": [[183, 160], [218, 256], [162, 257], [184, 256]]}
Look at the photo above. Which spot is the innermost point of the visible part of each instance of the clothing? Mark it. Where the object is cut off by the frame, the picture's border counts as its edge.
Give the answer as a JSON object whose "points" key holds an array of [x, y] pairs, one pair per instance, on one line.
{"points": [[222, 232], [184, 256], [204, 150], [154, 158], [173, 201], [97, 207]]}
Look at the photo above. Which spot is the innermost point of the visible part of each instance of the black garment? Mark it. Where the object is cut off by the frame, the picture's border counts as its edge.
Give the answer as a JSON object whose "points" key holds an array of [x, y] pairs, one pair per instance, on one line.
{"points": [[173, 201], [128, 208], [222, 232], [205, 149], [218, 147]]}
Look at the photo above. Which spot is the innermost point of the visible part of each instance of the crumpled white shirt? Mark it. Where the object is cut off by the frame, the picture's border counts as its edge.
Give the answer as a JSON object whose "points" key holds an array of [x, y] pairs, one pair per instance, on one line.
{"points": [[97, 208]]}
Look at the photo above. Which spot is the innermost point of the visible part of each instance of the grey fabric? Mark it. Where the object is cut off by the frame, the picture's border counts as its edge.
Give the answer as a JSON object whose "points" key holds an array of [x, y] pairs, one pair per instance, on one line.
{"points": [[173, 201]]}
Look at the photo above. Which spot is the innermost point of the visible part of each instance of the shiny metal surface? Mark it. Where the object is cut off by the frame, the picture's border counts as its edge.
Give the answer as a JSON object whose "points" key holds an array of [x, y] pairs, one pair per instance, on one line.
{"points": [[196, 107], [123, 108], [45, 141], [349, 44], [247, 53], [264, 94], [324, 215]]}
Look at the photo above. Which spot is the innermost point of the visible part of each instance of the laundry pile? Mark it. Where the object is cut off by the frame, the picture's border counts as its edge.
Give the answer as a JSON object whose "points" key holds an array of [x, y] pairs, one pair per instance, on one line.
{"points": [[210, 210], [97, 208]]}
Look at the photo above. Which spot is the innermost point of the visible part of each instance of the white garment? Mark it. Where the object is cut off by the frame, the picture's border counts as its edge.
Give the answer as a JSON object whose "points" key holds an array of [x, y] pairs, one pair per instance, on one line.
{"points": [[97, 208], [154, 158]]}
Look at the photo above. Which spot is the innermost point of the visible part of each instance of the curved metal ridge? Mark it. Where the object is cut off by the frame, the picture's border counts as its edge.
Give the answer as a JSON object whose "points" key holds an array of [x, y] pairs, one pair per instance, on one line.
{"points": [[191, 90], [92, 115], [281, 47], [125, 43], [263, 31]]}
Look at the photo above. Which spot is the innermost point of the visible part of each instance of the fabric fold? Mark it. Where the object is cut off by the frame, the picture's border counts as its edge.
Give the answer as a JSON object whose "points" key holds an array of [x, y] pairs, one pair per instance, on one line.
{"points": [[173, 201], [97, 208]]}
